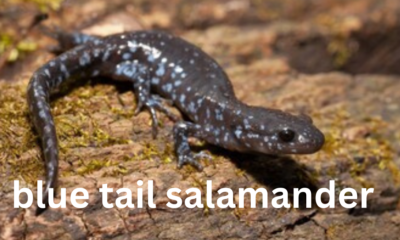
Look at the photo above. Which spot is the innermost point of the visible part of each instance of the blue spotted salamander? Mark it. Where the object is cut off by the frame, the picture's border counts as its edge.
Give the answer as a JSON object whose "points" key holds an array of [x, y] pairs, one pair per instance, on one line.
{"points": [[157, 62]]}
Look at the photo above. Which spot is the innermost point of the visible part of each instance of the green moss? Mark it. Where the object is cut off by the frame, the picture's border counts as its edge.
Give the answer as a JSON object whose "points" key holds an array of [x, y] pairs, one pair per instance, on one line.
{"points": [[118, 171], [340, 46], [361, 153], [80, 123], [14, 48], [43, 5], [93, 165], [6, 41], [16, 139]]}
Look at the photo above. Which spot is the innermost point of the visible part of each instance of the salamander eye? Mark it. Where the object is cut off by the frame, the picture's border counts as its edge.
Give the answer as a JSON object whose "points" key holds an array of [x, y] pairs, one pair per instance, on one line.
{"points": [[286, 135]]}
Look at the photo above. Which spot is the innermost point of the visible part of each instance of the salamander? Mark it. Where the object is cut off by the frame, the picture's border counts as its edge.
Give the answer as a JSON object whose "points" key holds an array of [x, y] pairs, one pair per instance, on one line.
{"points": [[162, 66]]}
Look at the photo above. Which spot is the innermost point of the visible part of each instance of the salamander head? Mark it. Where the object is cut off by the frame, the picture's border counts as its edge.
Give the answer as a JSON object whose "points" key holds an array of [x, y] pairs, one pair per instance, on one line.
{"points": [[275, 132]]}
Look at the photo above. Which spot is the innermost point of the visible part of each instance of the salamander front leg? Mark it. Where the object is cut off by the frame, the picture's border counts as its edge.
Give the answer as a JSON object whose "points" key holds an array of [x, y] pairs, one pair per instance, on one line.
{"points": [[182, 131], [149, 101], [139, 75]]}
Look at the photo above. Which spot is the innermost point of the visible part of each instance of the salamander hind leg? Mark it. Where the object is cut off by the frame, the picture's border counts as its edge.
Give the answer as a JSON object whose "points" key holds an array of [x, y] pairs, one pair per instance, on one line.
{"points": [[182, 131], [67, 40]]}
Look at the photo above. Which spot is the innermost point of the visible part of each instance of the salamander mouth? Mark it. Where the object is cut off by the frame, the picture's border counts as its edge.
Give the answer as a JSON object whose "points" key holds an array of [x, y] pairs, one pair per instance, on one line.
{"points": [[319, 141], [313, 145]]}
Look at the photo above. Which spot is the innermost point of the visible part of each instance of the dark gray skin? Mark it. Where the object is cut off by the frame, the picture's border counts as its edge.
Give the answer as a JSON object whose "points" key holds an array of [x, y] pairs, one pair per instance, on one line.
{"points": [[156, 62]]}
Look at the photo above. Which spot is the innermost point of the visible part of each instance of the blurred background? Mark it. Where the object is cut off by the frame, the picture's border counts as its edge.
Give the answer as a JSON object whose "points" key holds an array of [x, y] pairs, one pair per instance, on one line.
{"points": [[357, 36]]}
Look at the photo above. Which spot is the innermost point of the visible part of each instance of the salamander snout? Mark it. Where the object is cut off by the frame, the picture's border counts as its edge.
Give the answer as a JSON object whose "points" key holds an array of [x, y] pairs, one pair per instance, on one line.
{"points": [[308, 140]]}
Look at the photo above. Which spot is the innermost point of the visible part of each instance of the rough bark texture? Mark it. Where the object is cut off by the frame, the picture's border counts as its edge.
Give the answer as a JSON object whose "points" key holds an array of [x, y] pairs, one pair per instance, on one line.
{"points": [[335, 60]]}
